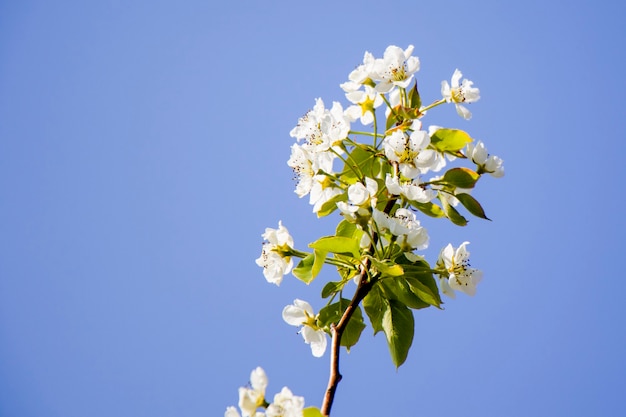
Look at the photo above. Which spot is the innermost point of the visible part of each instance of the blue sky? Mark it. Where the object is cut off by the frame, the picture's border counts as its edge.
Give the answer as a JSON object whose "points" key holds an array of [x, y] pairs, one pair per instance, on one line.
{"points": [[143, 150]]}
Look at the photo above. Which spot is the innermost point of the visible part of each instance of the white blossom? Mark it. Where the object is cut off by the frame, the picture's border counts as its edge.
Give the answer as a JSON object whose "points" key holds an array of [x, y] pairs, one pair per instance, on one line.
{"points": [[412, 189], [396, 68], [322, 128], [410, 151], [463, 93], [251, 398], [487, 163], [305, 163], [274, 265], [461, 277], [300, 313], [286, 405]]}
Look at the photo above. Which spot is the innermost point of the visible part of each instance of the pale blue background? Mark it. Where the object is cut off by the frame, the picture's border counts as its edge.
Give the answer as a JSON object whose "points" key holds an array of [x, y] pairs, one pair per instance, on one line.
{"points": [[142, 154]]}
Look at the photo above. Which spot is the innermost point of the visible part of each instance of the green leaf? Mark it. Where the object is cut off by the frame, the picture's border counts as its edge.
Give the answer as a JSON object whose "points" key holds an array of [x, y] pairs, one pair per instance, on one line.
{"points": [[398, 289], [461, 177], [304, 270], [310, 266], [345, 229], [333, 313], [338, 244], [452, 213], [399, 327], [449, 140], [332, 287], [414, 97], [429, 209], [472, 205], [387, 267], [312, 412], [331, 205], [425, 292], [375, 306]]}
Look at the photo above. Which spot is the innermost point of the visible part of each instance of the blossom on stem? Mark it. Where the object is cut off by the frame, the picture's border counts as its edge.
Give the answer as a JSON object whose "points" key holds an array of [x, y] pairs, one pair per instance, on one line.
{"points": [[322, 128], [300, 313], [251, 398], [413, 190], [274, 264], [286, 405], [410, 151], [461, 277], [410, 235], [305, 163], [395, 68], [365, 102], [463, 93], [486, 163]]}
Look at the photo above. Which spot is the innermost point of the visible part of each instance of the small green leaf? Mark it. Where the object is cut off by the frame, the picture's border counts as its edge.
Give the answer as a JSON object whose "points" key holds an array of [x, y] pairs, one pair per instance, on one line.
{"points": [[331, 314], [398, 289], [338, 244], [310, 266], [312, 412], [452, 213], [449, 140], [375, 306], [387, 267], [472, 205], [399, 327], [304, 270], [345, 229], [414, 97], [429, 209], [461, 177], [423, 291], [331, 205], [332, 287]]}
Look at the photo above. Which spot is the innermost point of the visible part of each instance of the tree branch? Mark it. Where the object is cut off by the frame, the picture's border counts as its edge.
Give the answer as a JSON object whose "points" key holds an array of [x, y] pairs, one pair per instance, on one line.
{"points": [[337, 331]]}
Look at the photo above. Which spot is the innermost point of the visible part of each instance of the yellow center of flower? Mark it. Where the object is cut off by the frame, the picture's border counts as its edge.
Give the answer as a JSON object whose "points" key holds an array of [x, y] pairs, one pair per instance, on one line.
{"points": [[458, 96]]}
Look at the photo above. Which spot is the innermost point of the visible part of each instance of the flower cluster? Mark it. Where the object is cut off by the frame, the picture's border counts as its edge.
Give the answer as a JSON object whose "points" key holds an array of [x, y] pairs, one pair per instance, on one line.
{"points": [[379, 189], [252, 397]]}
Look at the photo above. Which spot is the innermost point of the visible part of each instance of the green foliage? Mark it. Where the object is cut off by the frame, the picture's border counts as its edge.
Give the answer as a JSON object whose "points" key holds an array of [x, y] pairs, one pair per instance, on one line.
{"points": [[472, 205], [332, 313], [449, 140], [461, 177], [310, 266], [338, 244], [399, 326]]}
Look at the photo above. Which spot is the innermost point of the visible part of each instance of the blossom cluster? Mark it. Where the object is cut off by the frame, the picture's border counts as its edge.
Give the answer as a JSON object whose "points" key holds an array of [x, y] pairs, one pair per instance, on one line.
{"points": [[252, 398], [379, 188]]}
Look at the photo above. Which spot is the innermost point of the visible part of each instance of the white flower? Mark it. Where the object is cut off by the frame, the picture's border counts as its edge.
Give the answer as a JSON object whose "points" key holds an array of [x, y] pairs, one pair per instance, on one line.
{"points": [[286, 405], [365, 101], [300, 313], [486, 163], [322, 128], [359, 194], [321, 192], [305, 163], [412, 189], [396, 68], [405, 226], [460, 276], [274, 265], [463, 93], [410, 152], [251, 398], [361, 73]]}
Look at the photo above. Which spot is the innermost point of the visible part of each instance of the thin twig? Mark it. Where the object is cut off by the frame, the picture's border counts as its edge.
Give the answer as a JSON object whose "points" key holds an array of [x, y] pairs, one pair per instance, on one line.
{"points": [[337, 331]]}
